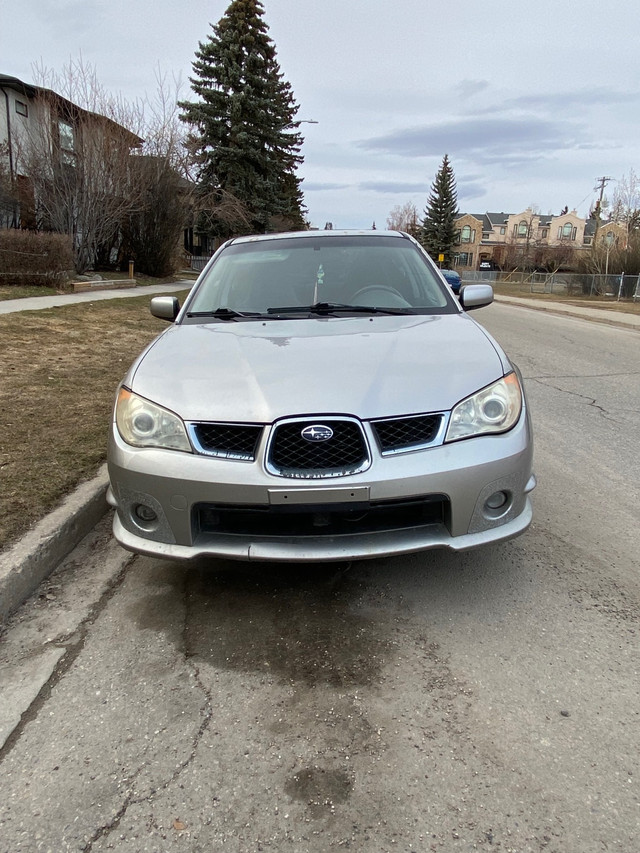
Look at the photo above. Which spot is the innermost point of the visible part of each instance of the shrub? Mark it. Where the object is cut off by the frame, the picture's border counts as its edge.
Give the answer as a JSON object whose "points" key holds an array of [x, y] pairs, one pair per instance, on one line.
{"points": [[32, 258]]}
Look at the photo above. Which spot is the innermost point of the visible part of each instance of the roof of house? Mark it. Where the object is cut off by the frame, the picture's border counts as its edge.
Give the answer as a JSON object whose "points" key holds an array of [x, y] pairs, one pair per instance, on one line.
{"points": [[7, 82], [30, 91]]}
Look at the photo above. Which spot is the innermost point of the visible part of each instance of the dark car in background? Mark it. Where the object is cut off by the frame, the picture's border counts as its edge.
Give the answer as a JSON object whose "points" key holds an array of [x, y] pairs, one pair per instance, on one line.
{"points": [[453, 279]]}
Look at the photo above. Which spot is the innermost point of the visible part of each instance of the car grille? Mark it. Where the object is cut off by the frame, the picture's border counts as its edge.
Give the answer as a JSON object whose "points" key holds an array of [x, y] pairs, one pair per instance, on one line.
{"points": [[230, 441], [397, 434], [291, 455], [319, 520]]}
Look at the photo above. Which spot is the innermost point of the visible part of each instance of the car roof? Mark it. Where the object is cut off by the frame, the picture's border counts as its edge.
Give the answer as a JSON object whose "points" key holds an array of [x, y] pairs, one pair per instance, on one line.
{"points": [[252, 238]]}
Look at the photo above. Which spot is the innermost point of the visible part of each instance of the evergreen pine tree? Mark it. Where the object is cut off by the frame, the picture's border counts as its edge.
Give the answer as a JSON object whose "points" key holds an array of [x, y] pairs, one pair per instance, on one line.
{"points": [[243, 128], [438, 233]]}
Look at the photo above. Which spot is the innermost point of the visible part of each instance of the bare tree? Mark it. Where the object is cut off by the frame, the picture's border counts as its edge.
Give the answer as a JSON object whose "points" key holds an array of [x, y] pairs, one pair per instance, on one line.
{"points": [[116, 176], [76, 156], [8, 194], [160, 174], [523, 240], [626, 202], [170, 198], [404, 217]]}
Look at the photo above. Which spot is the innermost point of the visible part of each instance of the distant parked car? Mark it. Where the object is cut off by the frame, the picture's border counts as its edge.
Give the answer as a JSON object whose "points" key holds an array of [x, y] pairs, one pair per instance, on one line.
{"points": [[453, 278], [489, 266], [320, 396]]}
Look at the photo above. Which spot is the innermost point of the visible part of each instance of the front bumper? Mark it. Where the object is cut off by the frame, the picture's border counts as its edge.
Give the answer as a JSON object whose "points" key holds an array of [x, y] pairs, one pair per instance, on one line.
{"points": [[464, 474], [321, 549]]}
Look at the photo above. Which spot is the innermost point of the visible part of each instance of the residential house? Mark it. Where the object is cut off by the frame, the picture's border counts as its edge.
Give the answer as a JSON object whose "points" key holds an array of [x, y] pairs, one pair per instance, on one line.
{"points": [[42, 137], [525, 238], [17, 115], [480, 237], [469, 233], [609, 234]]}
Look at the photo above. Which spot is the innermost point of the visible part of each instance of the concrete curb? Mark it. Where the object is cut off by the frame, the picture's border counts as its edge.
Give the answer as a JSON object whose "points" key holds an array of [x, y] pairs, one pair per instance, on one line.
{"points": [[27, 563]]}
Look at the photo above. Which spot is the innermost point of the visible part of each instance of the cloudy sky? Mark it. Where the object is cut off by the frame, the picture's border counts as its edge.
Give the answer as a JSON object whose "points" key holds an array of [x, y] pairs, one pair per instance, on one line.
{"points": [[532, 102]]}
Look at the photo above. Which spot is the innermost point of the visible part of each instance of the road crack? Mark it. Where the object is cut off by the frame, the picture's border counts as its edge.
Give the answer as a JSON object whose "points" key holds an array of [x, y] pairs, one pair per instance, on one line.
{"points": [[206, 712], [592, 401]]}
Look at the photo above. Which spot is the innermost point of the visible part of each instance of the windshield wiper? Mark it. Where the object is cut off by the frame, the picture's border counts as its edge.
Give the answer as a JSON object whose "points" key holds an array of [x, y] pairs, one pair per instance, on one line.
{"points": [[323, 308], [225, 314]]}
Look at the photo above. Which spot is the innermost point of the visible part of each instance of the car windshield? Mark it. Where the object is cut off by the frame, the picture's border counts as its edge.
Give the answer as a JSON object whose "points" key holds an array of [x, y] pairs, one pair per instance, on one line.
{"points": [[324, 275]]}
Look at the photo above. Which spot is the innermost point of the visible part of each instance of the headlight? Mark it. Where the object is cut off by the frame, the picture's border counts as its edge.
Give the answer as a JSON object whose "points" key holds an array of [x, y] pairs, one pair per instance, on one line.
{"points": [[144, 424], [494, 409]]}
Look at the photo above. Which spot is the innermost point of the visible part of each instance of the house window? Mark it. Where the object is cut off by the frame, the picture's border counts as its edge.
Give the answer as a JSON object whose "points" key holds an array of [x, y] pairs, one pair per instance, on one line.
{"points": [[522, 229], [545, 233], [463, 259], [67, 143], [567, 232], [503, 230], [22, 109], [468, 235]]}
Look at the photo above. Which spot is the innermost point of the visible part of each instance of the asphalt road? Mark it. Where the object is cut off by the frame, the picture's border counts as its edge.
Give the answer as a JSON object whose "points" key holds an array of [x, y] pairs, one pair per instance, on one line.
{"points": [[484, 701]]}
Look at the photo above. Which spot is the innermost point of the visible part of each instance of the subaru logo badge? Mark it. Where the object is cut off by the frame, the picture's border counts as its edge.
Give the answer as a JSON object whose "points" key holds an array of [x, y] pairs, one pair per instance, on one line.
{"points": [[317, 432]]}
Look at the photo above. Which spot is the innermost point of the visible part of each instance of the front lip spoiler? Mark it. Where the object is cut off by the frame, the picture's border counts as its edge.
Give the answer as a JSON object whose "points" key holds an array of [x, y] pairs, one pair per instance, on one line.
{"points": [[357, 546]]}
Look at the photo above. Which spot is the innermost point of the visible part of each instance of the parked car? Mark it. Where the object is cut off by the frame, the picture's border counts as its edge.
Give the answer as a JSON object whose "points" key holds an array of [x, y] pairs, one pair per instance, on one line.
{"points": [[453, 278], [320, 396], [489, 266]]}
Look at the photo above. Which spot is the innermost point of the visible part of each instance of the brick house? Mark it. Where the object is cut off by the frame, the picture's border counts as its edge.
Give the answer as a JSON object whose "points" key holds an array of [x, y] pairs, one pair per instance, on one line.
{"points": [[516, 238]]}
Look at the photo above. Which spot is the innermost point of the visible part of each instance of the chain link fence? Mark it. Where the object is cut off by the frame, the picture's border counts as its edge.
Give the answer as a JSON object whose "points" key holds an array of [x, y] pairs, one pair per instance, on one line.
{"points": [[564, 284]]}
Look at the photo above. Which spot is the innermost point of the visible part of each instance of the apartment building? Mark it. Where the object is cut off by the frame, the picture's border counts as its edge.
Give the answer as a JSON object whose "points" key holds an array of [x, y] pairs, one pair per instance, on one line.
{"points": [[525, 237]]}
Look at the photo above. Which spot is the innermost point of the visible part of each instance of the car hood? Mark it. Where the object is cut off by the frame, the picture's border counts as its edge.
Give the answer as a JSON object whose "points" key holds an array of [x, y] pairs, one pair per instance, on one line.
{"points": [[255, 372]]}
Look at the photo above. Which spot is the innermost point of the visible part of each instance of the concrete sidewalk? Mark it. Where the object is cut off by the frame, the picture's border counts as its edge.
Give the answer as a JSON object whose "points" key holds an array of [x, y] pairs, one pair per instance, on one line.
{"points": [[38, 303], [610, 316], [36, 555]]}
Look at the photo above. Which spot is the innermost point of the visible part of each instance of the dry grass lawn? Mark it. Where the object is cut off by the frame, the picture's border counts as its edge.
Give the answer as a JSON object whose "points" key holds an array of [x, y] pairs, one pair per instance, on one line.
{"points": [[59, 370], [20, 292], [627, 306]]}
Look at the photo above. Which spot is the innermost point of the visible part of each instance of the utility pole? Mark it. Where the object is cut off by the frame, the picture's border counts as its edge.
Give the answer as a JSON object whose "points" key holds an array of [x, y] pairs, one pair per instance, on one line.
{"points": [[601, 184]]}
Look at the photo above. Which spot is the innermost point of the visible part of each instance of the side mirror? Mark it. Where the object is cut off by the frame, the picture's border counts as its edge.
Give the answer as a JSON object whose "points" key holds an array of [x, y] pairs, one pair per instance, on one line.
{"points": [[475, 296], [165, 307]]}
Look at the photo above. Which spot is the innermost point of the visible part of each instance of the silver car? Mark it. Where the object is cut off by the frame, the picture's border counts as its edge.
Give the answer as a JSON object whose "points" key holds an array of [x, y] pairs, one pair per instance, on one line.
{"points": [[320, 396]]}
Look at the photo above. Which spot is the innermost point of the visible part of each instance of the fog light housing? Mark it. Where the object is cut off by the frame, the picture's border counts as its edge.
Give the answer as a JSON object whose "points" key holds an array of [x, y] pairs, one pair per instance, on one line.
{"points": [[496, 501], [144, 516], [497, 505], [145, 513]]}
